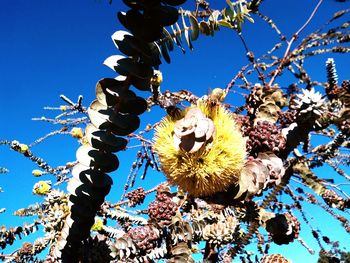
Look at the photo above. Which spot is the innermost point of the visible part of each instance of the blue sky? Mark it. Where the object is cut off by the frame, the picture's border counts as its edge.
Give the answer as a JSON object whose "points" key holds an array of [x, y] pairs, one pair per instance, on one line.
{"points": [[49, 48]]}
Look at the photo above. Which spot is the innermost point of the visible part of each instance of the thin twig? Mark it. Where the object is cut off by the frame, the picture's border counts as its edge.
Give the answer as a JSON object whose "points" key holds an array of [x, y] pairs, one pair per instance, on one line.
{"points": [[294, 37]]}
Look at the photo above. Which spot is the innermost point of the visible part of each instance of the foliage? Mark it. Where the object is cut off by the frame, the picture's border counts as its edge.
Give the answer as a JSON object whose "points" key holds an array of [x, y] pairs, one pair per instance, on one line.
{"points": [[219, 158]]}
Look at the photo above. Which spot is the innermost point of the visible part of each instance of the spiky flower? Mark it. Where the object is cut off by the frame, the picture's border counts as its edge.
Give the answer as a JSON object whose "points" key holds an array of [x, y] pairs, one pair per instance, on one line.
{"points": [[217, 154], [309, 102]]}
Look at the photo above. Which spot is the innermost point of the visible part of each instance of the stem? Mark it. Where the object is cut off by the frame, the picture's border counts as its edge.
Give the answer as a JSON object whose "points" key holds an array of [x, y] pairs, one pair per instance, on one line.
{"points": [[294, 37]]}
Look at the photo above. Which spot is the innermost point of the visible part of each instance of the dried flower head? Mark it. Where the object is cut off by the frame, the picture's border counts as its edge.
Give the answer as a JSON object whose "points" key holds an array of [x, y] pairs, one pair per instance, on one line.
{"points": [[309, 102], [221, 232], [203, 151]]}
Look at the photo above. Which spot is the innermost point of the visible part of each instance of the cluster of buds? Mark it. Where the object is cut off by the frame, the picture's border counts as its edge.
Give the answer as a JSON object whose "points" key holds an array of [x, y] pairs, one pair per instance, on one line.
{"points": [[26, 249], [136, 197], [345, 127], [8, 236], [274, 258], [283, 228], [55, 210], [335, 200], [265, 136], [145, 237], [163, 208]]}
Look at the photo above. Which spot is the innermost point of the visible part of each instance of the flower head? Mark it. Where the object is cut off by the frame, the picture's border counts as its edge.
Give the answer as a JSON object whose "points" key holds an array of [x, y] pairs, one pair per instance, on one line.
{"points": [[310, 102], [202, 151]]}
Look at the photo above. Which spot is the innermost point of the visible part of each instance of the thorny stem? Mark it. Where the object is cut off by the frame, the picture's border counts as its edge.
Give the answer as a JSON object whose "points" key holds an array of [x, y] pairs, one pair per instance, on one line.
{"points": [[294, 37]]}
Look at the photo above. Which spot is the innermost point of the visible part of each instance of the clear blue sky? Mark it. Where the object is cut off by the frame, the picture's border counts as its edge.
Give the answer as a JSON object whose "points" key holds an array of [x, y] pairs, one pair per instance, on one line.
{"points": [[48, 48]]}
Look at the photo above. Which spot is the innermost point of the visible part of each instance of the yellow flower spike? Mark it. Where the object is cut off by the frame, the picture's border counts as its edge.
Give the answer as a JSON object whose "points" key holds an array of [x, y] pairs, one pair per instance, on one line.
{"points": [[157, 78], [77, 133], [37, 173], [63, 108], [211, 169], [42, 188], [23, 148], [98, 225]]}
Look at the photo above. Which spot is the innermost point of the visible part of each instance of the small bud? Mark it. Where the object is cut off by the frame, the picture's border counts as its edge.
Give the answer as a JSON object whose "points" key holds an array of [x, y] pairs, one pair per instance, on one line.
{"points": [[98, 225], [218, 94], [23, 148], [157, 78], [63, 108], [42, 188], [77, 133], [37, 173]]}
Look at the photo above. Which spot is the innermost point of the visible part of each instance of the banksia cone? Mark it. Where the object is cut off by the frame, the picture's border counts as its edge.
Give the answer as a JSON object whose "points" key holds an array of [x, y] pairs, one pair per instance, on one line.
{"points": [[283, 228], [162, 209], [265, 136], [274, 258], [332, 77], [145, 237], [202, 151], [136, 197]]}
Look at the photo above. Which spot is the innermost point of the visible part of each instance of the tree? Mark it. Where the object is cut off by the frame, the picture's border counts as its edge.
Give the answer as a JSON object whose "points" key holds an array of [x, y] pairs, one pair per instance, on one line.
{"points": [[225, 164]]}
